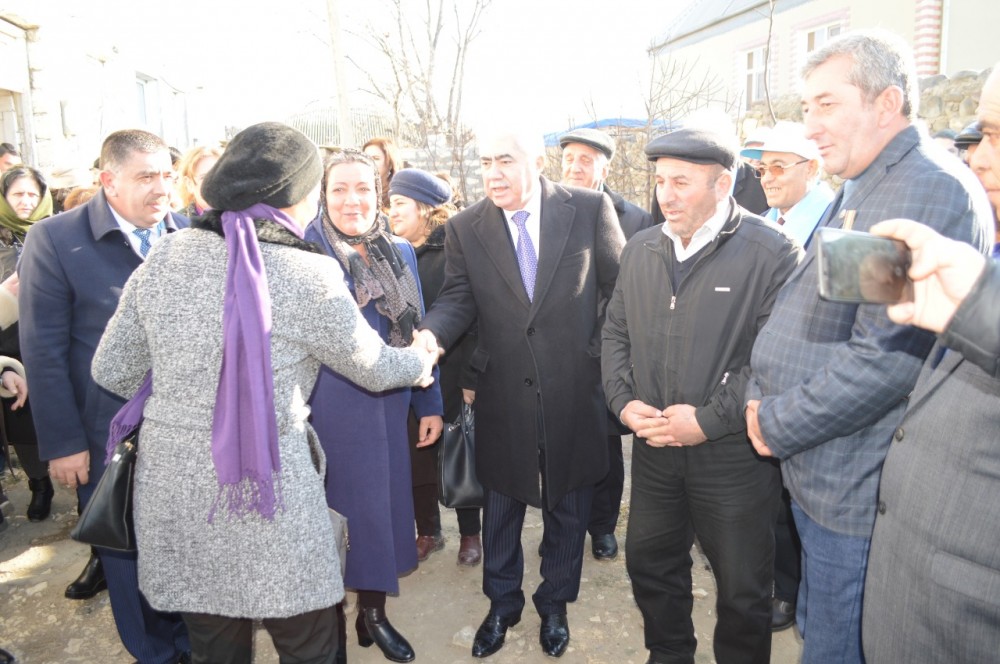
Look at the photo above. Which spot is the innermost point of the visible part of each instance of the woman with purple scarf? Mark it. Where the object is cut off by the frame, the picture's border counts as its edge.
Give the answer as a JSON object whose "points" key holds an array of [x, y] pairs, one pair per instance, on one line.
{"points": [[364, 429], [233, 320]]}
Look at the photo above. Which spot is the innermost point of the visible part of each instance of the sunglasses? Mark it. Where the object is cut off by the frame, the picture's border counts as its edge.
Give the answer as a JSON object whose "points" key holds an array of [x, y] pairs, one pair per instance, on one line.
{"points": [[777, 170]]}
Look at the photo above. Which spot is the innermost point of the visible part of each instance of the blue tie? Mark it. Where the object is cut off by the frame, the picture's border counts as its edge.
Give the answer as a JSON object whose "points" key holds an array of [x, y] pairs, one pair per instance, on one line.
{"points": [[144, 242], [526, 257]]}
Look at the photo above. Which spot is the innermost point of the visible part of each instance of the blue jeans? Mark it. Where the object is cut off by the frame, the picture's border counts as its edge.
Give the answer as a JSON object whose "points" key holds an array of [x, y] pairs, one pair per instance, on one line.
{"points": [[828, 612]]}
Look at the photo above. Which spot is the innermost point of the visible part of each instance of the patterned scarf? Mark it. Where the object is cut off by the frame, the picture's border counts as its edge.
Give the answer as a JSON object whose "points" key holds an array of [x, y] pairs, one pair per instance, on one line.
{"points": [[384, 277]]}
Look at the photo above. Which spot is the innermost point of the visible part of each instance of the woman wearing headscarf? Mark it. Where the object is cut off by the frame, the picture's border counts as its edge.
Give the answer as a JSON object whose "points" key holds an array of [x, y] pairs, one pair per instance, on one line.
{"points": [[365, 430], [24, 199], [419, 206], [231, 518]]}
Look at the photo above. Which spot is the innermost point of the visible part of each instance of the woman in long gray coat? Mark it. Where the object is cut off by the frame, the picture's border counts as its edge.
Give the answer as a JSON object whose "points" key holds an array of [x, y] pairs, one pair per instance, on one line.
{"points": [[235, 317]]}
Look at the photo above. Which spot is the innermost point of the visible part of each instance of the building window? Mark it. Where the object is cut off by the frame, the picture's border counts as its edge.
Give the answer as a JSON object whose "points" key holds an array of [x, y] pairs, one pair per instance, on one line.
{"points": [[821, 35], [755, 69]]}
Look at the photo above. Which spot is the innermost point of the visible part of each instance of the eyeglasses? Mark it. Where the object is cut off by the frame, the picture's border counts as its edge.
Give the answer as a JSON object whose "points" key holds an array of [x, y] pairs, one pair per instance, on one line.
{"points": [[777, 170]]}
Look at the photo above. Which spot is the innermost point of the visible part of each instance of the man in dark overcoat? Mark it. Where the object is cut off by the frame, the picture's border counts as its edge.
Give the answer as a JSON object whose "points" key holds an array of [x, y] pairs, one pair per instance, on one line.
{"points": [[535, 262]]}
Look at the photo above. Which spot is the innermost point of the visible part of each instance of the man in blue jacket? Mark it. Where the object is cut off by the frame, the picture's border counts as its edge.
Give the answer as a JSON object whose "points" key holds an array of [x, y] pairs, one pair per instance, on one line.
{"points": [[72, 272]]}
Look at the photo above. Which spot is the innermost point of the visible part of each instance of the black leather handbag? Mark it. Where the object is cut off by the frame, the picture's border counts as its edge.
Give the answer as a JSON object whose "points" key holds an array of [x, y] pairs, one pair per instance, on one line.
{"points": [[107, 519], [458, 485]]}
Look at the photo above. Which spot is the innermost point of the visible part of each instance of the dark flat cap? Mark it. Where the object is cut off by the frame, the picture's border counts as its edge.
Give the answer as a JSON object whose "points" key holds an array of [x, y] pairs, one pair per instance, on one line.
{"points": [[699, 146], [593, 137], [420, 186], [269, 163], [971, 135]]}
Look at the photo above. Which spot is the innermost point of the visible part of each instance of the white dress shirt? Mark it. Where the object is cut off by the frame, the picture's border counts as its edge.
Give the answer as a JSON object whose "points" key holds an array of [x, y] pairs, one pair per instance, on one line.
{"points": [[533, 224]]}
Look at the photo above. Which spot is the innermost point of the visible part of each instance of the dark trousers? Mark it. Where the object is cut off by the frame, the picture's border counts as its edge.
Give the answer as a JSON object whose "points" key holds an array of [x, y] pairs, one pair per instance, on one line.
{"points": [[728, 497], [787, 553], [608, 492], [563, 534], [151, 636], [308, 638]]}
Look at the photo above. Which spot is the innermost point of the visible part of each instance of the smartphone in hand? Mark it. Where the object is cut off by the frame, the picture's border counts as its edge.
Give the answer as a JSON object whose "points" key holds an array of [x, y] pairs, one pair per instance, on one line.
{"points": [[863, 268]]}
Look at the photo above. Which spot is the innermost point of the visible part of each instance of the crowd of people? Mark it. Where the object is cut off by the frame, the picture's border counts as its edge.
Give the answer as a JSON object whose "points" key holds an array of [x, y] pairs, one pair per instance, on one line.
{"points": [[325, 316]]}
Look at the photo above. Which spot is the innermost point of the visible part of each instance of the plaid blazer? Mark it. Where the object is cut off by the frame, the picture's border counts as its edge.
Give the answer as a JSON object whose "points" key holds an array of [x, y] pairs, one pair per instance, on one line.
{"points": [[834, 378]]}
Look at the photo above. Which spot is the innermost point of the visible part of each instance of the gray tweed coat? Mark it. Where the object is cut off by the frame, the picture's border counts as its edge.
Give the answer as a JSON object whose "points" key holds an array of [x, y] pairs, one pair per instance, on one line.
{"points": [[170, 319]]}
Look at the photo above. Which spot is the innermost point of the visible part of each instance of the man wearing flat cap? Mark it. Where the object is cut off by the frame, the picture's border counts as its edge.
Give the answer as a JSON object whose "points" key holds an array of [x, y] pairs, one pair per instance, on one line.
{"points": [[586, 161], [72, 271], [691, 296]]}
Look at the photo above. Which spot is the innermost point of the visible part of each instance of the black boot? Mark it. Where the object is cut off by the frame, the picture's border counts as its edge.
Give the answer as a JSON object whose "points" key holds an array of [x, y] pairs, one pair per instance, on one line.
{"points": [[374, 627], [41, 498], [91, 580], [341, 635]]}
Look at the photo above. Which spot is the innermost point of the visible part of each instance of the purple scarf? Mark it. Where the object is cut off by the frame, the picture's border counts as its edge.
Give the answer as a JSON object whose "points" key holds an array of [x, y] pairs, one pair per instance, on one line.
{"points": [[244, 426]]}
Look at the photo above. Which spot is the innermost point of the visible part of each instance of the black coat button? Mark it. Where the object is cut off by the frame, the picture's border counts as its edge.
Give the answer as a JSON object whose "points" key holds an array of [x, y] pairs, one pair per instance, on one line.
{"points": [[881, 507], [531, 331], [529, 382]]}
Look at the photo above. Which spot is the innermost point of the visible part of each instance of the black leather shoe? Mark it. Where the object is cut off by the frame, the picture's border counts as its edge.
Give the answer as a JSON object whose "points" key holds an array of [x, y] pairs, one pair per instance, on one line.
{"points": [[6, 657], [374, 627], [491, 634], [604, 547], [554, 634], [90, 582], [782, 614], [41, 499]]}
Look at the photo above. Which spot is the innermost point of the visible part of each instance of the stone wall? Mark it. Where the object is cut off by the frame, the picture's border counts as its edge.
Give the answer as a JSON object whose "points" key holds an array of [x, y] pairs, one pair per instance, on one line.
{"points": [[945, 102]]}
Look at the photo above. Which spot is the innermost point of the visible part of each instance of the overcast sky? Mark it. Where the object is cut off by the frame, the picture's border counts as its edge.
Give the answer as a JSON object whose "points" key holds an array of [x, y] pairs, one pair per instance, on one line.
{"points": [[550, 60]]}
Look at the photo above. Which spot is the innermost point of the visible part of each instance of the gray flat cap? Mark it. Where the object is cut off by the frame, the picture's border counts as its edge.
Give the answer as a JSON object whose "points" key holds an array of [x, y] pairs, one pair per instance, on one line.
{"points": [[699, 146], [593, 137]]}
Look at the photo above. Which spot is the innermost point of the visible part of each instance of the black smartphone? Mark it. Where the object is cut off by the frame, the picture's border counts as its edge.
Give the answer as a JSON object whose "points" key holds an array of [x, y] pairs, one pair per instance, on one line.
{"points": [[861, 267]]}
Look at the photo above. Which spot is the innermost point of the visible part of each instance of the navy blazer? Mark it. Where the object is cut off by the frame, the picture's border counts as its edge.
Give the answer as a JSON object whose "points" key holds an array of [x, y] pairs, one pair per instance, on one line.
{"points": [[72, 271]]}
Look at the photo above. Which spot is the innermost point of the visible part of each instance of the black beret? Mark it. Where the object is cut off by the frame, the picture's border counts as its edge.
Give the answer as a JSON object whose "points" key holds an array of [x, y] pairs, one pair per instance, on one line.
{"points": [[269, 163], [593, 137], [971, 135], [699, 146], [420, 186]]}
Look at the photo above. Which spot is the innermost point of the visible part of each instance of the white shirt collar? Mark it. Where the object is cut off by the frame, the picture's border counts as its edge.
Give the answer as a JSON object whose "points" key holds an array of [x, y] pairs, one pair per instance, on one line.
{"points": [[534, 209], [128, 228], [703, 236]]}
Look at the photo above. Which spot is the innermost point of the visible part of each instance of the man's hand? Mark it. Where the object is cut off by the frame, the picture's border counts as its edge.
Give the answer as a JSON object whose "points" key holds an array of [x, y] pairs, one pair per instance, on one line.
{"points": [[468, 396], [645, 420], [429, 430], [14, 384], [425, 339], [753, 429], [429, 356], [71, 471], [943, 273], [683, 426]]}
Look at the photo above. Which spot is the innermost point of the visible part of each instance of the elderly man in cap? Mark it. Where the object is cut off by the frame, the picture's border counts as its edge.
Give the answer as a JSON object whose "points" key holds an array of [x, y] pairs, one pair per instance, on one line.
{"points": [[586, 160], [690, 298], [788, 166]]}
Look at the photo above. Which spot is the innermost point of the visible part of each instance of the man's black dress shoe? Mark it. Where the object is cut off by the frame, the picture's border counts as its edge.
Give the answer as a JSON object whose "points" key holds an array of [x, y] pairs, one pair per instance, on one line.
{"points": [[604, 547], [782, 614], [554, 634], [491, 634], [374, 627], [41, 499], [90, 582]]}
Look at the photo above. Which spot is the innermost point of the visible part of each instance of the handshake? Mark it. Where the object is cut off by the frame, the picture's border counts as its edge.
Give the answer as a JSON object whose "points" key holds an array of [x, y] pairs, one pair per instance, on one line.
{"points": [[430, 351]]}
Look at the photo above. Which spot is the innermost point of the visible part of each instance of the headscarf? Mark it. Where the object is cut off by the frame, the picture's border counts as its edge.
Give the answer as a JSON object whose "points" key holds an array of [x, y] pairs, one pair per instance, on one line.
{"points": [[19, 227], [385, 277]]}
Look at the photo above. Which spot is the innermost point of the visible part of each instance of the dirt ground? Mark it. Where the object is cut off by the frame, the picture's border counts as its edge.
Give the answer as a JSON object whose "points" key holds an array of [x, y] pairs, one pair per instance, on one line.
{"points": [[439, 607]]}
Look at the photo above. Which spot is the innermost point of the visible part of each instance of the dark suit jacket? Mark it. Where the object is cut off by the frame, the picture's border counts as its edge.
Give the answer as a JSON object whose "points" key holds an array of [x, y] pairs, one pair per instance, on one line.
{"points": [[72, 271], [538, 361], [933, 588]]}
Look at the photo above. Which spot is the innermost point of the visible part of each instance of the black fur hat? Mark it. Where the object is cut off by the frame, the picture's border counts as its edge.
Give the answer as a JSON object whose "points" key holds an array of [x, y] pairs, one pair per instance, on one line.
{"points": [[269, 163]]}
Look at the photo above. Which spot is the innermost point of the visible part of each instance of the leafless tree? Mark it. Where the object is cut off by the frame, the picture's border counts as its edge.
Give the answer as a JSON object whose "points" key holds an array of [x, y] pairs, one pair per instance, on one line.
{"points": [[424, 52]]}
